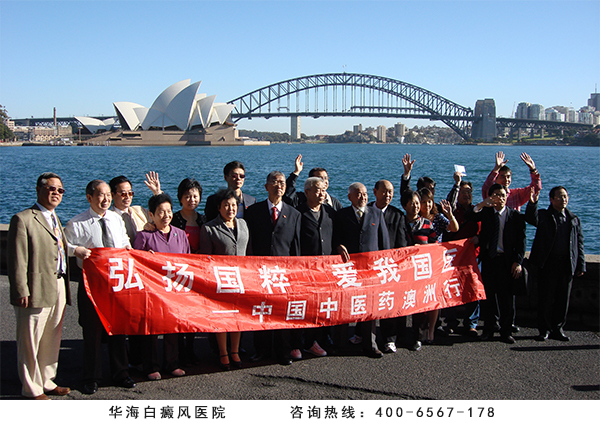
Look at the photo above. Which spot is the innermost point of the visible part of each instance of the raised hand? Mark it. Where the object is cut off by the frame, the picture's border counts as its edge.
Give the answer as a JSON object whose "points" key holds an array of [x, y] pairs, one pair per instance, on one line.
{"points": [[408, 165], [535, 195], [153, 182], [528, 161], [446, 207], [299, 165], [458, 177], [500, 162]]}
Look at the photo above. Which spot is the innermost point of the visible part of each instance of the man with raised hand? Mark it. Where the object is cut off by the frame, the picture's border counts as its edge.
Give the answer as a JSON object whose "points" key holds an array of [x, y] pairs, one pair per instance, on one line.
{"points": [[502, 174]]}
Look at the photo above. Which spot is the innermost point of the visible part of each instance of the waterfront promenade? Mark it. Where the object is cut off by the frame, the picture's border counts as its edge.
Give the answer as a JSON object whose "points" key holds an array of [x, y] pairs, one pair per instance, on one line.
{"points": [[455, 369]]}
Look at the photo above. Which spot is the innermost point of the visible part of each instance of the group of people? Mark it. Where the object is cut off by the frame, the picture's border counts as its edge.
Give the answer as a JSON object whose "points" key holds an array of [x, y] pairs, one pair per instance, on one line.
{"points": [[288, 222]]}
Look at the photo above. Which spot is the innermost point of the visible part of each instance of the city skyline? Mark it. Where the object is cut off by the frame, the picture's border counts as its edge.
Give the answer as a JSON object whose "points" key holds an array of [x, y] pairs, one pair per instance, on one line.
{"points": [[59, 55]]}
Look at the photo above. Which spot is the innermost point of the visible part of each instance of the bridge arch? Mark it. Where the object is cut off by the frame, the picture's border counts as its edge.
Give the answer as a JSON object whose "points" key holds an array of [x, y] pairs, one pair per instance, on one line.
{"points": [[348, 94]]}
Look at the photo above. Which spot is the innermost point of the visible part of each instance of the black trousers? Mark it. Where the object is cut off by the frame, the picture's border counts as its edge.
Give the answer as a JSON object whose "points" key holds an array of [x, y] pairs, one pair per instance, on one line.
{"points": [[499, 306], [93, 336], [554, 291]]}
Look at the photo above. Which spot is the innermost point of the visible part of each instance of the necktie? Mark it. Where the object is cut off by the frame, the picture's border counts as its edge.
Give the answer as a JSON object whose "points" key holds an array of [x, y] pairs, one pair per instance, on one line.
{"points": [[360, 216], [61, 248], [107, 240], [129, 226], [274, 215], [495, 235]]}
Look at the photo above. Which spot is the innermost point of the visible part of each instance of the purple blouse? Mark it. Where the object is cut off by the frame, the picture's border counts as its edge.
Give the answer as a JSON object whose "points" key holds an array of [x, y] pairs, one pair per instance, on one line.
{"points": [[156, 241]]}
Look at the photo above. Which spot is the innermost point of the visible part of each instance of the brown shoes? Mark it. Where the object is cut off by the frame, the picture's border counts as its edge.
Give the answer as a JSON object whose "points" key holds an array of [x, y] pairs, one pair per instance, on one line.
{"points": [[60, 391]]}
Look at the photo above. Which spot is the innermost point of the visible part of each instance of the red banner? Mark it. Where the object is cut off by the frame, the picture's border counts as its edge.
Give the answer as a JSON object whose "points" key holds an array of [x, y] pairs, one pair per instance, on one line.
{"points": [[137, 292]]}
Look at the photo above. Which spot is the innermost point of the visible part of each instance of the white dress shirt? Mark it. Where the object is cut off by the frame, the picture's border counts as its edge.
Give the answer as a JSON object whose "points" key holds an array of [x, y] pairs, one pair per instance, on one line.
{"points": [[85, 230]]}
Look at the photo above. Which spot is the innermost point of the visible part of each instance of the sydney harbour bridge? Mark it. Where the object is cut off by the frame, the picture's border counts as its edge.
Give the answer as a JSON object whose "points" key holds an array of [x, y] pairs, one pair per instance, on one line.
{"points": [[362, 95]]}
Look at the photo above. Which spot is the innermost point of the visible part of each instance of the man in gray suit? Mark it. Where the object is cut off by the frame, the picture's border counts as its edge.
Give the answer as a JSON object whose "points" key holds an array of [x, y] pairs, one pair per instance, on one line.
{"points": [[39, 288]]}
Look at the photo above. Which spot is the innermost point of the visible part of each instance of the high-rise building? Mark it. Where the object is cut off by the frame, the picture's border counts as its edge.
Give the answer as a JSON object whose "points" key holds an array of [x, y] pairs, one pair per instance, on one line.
{"points": [[399, 130], [594, 101], [357, 129], [381, 133], [522, 111], [536, 112]]}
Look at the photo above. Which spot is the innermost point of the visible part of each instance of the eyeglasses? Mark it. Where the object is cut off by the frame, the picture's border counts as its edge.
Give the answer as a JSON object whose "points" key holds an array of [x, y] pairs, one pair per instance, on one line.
{"points": [[277, 182], [237, 176], [55, 189], [126, 194]]}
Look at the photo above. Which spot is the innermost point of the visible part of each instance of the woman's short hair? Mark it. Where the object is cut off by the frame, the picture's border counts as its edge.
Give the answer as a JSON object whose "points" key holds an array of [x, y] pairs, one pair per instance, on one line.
{"points": [[156, 200], [187, 184], [224, 195]]}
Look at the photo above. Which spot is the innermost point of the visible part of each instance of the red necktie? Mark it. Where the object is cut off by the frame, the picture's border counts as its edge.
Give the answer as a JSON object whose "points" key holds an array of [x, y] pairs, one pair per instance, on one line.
{"points": [[274, 215]]}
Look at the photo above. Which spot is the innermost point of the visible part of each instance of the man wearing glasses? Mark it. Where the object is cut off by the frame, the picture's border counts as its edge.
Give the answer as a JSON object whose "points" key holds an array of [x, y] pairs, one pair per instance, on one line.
{"points": [[134, 216], [234, 174], [39, 288]]}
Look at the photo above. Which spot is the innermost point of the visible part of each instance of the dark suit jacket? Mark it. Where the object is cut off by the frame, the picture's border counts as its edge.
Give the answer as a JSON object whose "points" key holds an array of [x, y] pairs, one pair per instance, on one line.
{"points": [[373, 235], [283, 239], [211, 209], [396, 225], [298, 198], [316, 237], [32, 259], [514, 234], [545, 237]]}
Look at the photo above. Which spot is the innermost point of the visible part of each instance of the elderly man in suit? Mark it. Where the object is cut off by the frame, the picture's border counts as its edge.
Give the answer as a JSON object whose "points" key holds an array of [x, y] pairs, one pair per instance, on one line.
{"points": [[360, 228], [275, 230], [501, 251], [396, 225], [98, 227], [39, 288], [234, 174], [298, 198]]}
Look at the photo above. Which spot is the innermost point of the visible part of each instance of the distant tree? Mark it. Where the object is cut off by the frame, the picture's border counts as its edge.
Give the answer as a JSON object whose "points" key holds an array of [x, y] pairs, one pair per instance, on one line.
{"points": [[5, 132]]}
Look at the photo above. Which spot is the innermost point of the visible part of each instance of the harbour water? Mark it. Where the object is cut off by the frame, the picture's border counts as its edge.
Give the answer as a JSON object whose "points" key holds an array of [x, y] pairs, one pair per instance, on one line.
{"points": [[576, 168]]}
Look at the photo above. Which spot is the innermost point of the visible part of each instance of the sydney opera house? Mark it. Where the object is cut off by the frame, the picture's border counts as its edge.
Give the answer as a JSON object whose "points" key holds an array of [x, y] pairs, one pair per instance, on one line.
{"points": [[179, 116]]}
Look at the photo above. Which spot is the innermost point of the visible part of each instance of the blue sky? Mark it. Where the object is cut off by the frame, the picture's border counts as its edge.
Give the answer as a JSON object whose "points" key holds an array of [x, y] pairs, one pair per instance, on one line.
{"points": [[81, 56]]}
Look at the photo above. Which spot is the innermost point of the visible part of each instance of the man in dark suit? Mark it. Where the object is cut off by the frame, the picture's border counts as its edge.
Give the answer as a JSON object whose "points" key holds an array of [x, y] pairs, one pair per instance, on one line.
{"points": [[316, 238], [274, 230], [360, 228], [234, 174], [501, 251], [558, 253], [396, 225], [39, 288], [297, 198]]}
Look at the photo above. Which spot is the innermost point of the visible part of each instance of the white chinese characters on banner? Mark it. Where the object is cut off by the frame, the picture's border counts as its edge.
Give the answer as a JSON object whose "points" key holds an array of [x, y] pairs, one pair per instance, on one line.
{"points": [[450, 286], [347, 274], [359, 305], [184, 278], [262, 310], [449, 256], [296, 310], [273, 277], [123, 283], [328, 306], [386, 300], [229, 280], [388, 270], [422, 263]]}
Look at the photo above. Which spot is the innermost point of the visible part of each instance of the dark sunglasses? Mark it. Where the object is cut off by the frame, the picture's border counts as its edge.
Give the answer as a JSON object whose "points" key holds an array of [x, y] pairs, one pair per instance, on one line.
{"points": [[55, 189]]}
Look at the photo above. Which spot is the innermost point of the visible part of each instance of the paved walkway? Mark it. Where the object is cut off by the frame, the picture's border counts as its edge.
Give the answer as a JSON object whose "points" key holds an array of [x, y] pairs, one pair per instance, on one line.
{"points": [[455, 369]]}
